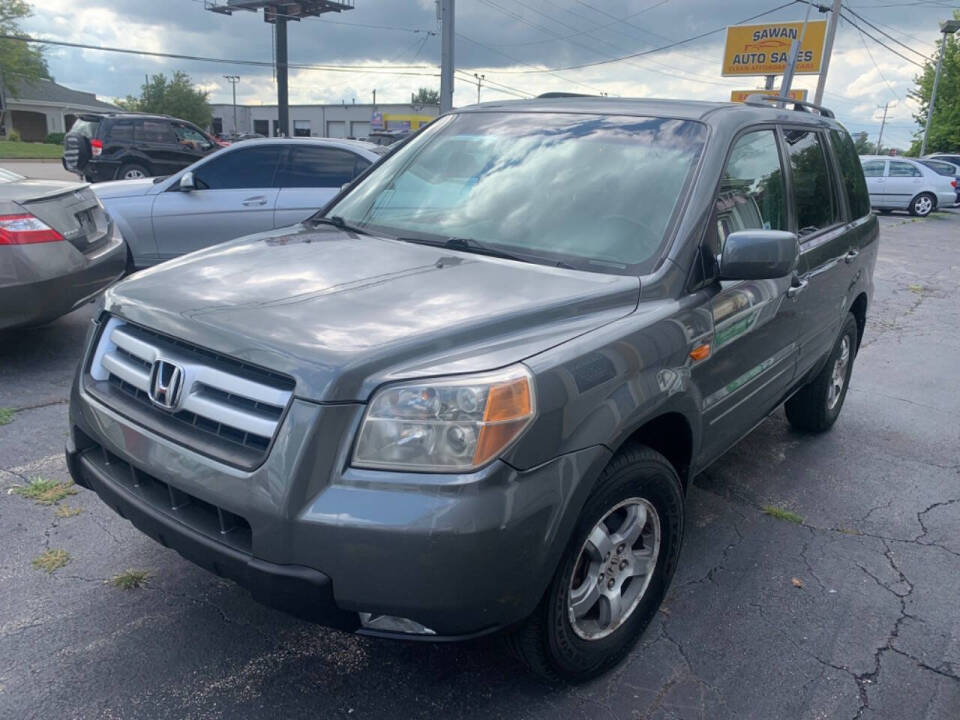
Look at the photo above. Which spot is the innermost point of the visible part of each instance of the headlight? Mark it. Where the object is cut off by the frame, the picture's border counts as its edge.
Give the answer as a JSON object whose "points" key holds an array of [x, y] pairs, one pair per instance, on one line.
{"points": [[448, 424]]}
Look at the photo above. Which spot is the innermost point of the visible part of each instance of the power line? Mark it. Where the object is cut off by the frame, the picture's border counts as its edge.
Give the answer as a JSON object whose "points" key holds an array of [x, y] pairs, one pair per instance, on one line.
{"points": [[885, 34], [881, 43], [382, 69], [863, 39], [651, 50]]}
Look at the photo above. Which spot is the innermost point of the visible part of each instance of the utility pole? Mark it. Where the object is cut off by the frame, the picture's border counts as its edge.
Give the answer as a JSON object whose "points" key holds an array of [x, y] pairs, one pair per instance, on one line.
{"points": [[374, 98], [446, 54], [882, 123], [480, 79], [233, 80], [827, 50], [947, 28]]}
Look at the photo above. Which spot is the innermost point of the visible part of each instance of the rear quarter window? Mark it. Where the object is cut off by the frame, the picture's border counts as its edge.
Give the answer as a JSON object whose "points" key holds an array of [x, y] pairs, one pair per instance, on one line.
{"points": [[851, 171]]}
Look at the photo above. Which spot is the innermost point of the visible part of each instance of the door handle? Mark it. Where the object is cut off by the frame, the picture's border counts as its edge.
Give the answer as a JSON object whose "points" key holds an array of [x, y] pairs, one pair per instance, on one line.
{"points": [[797, 286], [851, 256], [254, 201]]}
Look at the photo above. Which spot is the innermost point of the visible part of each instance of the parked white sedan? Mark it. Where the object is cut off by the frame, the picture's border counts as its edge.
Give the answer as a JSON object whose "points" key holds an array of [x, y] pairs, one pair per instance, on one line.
{"points": [[899, 183], [245, 188]]}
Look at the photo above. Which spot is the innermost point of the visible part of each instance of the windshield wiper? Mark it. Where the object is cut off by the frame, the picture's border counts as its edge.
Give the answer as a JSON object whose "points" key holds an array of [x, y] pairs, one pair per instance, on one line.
{"points": [[470, 245], [338, 222]]}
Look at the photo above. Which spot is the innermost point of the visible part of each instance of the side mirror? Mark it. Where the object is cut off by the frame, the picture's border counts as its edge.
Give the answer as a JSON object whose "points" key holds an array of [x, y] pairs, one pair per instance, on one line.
{"points": [[759, 255], [187, 182]]}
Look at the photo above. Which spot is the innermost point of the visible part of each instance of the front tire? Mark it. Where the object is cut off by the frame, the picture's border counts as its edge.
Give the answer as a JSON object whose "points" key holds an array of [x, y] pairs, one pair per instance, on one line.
{"points": [[816, 407], [922, 205], [613, 574]]}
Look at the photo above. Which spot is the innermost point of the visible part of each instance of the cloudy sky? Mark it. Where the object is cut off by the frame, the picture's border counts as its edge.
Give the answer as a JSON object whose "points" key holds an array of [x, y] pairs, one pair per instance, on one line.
{"points": [[393, 46]]}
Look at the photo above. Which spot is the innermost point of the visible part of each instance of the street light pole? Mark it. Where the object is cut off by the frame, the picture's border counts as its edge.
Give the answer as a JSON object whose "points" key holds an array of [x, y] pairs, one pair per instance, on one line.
{"points": [[233, 80], [947, 28]]}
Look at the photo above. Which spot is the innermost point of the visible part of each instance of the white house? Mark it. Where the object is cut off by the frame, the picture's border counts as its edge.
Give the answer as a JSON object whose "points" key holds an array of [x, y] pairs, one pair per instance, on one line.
{"points": [[42, 106]]}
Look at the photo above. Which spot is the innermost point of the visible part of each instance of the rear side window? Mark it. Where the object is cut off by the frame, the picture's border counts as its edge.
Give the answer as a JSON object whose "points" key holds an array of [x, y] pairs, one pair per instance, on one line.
{"points": [[941, 168], [902, 169], [852, 173], [248, 168], [751, 193], [873, 168], [813, 193], [87, 128], [121, 132], [155, 131], [320, 167]]}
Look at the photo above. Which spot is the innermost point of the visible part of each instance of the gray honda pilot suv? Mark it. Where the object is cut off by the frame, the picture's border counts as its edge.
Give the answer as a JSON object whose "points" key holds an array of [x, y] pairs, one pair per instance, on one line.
{"points": [[469, 395]]}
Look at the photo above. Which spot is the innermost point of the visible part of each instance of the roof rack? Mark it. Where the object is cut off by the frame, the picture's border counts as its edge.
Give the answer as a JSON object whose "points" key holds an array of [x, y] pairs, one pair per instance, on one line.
{"points": [[548, 95], [758, 100]]}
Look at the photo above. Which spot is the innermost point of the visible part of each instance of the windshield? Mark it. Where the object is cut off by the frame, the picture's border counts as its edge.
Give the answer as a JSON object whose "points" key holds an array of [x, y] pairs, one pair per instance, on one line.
{"points": [[596, 192]]}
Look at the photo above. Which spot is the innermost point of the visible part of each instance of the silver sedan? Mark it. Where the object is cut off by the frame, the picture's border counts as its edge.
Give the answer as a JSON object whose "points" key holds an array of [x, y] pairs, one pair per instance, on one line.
{"points": [[245, 188], [58, 249]]}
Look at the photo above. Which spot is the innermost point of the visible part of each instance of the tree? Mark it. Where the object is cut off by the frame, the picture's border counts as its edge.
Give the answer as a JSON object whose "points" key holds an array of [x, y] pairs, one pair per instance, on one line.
{"points": [[426, 96], [176, 97], [945, 124], [862, 142], [19, 62]]}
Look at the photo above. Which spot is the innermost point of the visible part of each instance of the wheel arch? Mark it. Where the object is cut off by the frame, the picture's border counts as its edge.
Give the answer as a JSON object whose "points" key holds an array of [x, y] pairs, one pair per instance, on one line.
{"points": [[859, 310], [671, 434]]}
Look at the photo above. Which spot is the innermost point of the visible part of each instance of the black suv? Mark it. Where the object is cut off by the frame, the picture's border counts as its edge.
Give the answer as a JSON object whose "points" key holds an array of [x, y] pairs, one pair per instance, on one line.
{"points": [[124, 146]]}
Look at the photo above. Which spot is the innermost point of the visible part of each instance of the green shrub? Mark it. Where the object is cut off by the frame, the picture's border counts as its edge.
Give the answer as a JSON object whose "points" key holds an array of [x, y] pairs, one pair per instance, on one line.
{"points": [[13, 136], [54, 139]]}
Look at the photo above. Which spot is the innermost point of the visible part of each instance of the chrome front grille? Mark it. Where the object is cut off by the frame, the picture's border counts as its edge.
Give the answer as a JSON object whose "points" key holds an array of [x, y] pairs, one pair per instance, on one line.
{"points": [[225, 408]]}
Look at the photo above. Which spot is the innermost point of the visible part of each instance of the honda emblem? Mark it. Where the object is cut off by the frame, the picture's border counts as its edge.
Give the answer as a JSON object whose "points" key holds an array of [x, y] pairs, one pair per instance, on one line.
{"points": [[166, 382]]}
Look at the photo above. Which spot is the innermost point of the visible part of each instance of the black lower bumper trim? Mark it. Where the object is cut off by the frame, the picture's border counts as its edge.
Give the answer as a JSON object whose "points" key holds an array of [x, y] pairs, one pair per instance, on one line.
{"points": [[300, 591]]}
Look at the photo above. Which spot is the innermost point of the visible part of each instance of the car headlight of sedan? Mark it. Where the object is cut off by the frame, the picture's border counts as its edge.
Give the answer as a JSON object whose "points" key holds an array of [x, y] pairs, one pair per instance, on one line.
{"points": [[446, 424]]}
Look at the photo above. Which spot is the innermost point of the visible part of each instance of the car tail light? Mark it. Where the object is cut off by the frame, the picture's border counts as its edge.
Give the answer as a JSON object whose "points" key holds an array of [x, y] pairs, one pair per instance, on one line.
{"points": [[954, 182], [26, 229], [96, 147]]}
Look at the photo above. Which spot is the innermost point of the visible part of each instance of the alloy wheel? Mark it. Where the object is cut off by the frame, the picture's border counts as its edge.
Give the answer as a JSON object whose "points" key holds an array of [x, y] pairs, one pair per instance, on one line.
{"points": [[614, 569], [923, 205], [838, 376], [133, 174]]}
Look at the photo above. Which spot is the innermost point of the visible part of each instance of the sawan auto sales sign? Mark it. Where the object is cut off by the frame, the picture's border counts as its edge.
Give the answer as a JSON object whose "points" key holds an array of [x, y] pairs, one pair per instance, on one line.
{"points": [[764, 49]]}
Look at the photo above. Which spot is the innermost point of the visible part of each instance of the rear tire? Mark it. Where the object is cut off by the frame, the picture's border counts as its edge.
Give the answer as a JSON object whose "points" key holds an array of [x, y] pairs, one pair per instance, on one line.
{"points": [[569, 639], [817, 405], [132, 171], [922, 205]]}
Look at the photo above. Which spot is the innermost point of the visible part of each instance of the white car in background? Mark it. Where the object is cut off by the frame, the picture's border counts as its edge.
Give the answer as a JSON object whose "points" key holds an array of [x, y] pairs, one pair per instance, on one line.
{"points": [[245, 188], [899, 183]]}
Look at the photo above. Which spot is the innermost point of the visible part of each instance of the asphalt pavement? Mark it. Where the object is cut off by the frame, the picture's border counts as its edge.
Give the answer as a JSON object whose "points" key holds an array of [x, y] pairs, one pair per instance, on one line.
{"points": [[39, 169], [850, 612]]}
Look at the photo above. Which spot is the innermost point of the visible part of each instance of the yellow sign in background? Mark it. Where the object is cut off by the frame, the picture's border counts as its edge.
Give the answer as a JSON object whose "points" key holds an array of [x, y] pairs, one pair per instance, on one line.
{"points": [[763, 49], [741, 95]]}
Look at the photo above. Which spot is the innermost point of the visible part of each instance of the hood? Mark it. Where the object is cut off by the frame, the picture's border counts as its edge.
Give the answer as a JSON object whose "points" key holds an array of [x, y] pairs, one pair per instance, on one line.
{"points": [[343, 313], [124, 188]]}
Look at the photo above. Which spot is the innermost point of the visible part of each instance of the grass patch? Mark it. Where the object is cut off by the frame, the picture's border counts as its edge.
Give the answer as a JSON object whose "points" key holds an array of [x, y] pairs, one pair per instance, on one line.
{"points": [[65, 511], [45, 492], [782, 514], [129, 580], [14, 150], [6, 415], [51, 560]]}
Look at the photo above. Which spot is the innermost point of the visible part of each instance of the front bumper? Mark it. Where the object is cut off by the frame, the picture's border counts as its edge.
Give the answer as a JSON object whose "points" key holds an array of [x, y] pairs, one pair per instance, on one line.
{"points": [[459, 554]]}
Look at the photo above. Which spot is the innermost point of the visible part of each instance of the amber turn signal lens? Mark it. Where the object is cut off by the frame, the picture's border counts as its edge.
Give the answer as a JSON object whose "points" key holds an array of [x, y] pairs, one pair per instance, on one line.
{"points": [[701, 352], [509, 407]]}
